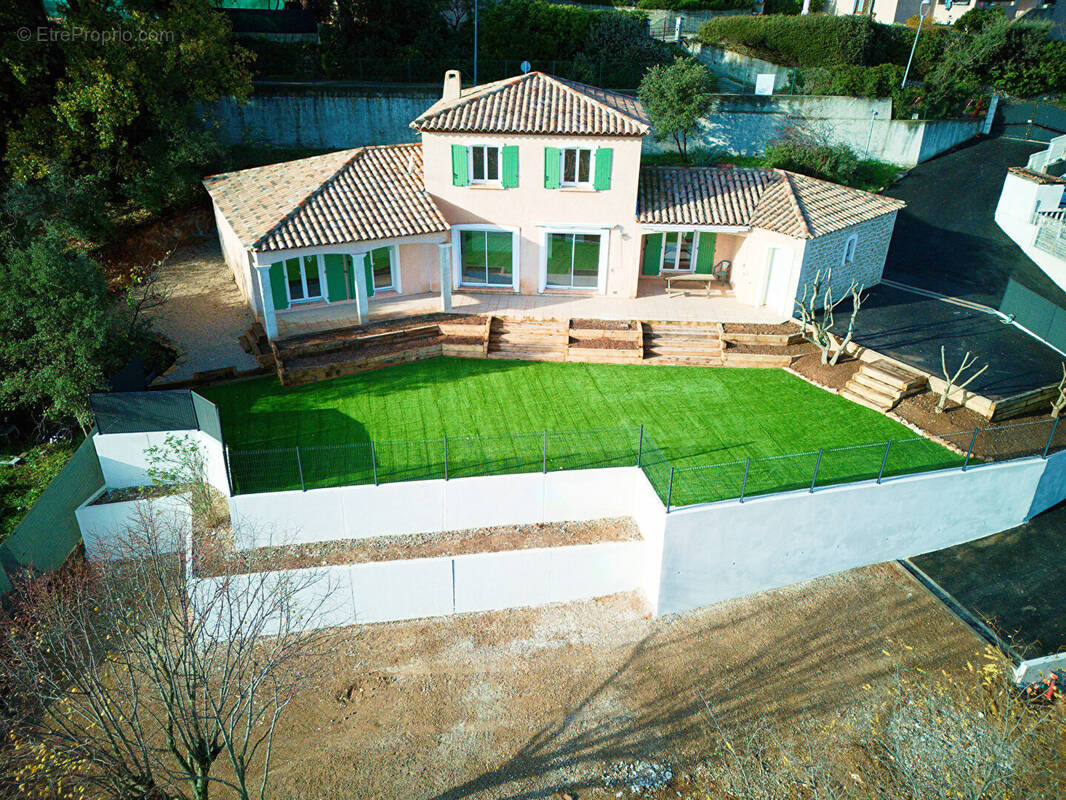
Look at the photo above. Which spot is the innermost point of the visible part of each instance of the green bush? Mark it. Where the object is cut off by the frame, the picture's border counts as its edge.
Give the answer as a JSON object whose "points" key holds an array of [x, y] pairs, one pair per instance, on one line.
{"points": [[800, 152], [695, 5], [815, 40], [852, 81]]}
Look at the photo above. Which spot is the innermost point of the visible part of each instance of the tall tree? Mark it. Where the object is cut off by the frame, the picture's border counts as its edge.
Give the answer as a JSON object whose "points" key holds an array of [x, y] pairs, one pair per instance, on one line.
{"points": [[676, 96], [125, 101]]}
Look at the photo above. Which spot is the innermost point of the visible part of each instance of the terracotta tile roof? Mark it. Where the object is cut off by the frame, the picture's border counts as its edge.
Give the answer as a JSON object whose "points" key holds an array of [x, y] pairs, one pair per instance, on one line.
{"points": [[1036, 177], [348, 196], [772, 199], [536, 103]]}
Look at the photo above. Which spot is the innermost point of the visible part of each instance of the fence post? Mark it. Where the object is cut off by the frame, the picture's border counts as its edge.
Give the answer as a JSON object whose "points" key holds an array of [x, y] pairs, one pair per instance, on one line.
{"points": [[817, 464], [969, 452], [374, 462], [1050, 437], [445, 457], [229, 470], [640, 445], [300, 466], [670, 491], [884, 461], [544, 456], [744, 483]]}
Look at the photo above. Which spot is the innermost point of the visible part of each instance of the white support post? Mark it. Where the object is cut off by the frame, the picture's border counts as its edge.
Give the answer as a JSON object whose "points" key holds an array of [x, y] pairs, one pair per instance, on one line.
{"points": [[270, 323], [362, 305], [445, 253]]}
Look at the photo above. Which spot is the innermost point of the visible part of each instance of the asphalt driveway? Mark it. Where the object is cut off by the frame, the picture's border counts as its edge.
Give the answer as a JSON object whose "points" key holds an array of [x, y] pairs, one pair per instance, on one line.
{"points": [[947, 241]]}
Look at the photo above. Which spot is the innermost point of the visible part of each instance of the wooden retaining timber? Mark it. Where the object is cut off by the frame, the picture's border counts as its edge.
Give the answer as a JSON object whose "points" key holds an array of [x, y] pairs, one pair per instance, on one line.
{"points": [[330, 354]]}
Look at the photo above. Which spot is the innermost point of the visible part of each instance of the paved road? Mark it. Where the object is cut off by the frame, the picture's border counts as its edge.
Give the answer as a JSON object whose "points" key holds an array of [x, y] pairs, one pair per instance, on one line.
{"points": [[947, 241]]}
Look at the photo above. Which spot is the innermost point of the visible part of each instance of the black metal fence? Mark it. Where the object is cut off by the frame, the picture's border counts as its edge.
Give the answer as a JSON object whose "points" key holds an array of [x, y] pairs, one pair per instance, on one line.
{"points": [[678, 482], [142, 412]]}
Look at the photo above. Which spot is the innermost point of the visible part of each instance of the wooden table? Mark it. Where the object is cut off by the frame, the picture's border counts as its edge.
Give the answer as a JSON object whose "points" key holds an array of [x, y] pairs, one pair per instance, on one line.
{"points": [[692, 277]]}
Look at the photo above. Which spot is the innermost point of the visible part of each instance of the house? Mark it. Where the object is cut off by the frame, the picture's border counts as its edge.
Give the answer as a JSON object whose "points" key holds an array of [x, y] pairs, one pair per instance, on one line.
{"points": [[532, 185], [1032, 210]]}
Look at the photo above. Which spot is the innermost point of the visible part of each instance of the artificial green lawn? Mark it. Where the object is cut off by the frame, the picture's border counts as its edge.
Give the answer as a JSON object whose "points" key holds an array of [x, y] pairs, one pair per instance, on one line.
{"points": [[693, 417]]}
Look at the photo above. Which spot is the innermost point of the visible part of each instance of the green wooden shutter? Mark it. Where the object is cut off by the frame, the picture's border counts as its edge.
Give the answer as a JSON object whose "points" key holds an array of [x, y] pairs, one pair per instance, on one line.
{"points": [[653, 253], [277, 286], [602, 179], [349, 276], [510, 166], [460, 171], [552, 176], [336, 285], [705, 252], [368, 266]]}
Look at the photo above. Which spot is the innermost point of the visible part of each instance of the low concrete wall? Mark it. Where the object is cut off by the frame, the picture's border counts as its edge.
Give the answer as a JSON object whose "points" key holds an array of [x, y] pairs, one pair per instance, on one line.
{"points": [[387, 591], [393, 509], [740, 67], [724, 550], [104, 526], [124, 463]]}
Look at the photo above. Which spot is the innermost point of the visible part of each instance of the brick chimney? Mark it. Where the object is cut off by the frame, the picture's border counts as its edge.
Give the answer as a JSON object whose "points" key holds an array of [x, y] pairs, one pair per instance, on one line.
{"points": [[453, 82]]}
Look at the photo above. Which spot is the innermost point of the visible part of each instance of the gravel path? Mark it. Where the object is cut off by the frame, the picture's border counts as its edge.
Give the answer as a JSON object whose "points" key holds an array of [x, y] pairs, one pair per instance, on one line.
{"points": [[205, 315]]}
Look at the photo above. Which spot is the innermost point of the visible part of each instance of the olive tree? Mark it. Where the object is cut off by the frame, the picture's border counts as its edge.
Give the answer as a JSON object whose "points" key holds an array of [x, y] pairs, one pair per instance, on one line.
{"points": [[129, 678], [676, 96]]}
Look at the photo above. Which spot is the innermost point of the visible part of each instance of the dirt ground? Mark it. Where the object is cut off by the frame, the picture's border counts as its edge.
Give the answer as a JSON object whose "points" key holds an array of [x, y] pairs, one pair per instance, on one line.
{"points": [[530, 703]]}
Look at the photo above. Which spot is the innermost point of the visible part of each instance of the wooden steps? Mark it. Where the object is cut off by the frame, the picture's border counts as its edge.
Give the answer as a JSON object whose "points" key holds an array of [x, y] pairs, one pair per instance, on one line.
{"points": [[678, 343], [882, 384], [532, 340]]}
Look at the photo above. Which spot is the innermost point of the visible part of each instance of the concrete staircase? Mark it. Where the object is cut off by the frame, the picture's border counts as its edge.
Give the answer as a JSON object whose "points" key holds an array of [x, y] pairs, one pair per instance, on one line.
{"points": [[529, 339], [697, 344], [882, 384]]}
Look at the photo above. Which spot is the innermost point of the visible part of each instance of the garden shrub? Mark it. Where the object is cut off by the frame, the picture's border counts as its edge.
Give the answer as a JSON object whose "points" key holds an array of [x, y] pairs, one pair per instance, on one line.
{"points": [[815, 40], [804, 152]]}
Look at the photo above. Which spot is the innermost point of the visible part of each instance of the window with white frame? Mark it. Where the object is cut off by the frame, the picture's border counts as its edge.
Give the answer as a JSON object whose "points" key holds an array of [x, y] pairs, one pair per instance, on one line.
{"points": [[576, 166], [849, 249], [303, 279], [486, 257], [484, 164]]}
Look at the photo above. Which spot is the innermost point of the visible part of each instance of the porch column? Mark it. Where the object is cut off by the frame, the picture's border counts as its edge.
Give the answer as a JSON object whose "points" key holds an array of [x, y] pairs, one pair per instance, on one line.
{"points": [[445, 253], [270, 323], [361, 304]]}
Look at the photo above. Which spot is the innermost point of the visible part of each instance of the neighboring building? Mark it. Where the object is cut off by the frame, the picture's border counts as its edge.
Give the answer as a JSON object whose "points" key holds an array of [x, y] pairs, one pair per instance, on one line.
{"points": [[1032, 209], [532, 185], [899, 11]]}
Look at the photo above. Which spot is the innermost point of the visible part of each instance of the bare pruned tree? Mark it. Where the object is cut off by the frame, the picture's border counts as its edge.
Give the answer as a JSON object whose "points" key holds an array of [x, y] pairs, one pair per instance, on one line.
{"points": [[818, 330], [1059, 402], [147, 290], [951, 379], [131, 678]]}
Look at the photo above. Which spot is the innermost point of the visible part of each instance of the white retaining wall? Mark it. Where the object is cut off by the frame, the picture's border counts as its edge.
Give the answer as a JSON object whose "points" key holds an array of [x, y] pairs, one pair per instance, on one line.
{"points": [[124, 463], [104, 526], [430, 587], [724, 550], [392, 509]]}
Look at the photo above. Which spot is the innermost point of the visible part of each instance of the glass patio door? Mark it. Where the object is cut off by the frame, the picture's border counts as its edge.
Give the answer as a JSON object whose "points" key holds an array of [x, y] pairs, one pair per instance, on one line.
{"points": [[303, 278], [573, 261], [679, 251]]}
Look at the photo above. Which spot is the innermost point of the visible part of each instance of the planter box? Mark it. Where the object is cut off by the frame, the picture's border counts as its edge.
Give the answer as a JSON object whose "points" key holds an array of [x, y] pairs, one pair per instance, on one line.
{"points": [[463, 350], [768, 360], [768, 339], [104, 526], [604, 355]]}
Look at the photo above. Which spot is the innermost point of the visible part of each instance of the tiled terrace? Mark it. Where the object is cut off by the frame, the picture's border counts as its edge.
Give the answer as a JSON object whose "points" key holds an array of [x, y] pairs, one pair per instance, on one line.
{"points": [[651, 303]]}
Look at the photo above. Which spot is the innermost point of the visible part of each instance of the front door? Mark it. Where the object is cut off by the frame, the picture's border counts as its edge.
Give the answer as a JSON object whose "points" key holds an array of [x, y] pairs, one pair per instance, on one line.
{"points": [[778, 272]]}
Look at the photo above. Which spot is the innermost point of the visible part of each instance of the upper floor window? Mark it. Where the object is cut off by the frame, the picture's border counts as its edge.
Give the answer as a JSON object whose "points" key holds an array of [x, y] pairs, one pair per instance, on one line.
{"points": [[849, 249], [577, 166], [484, 164]]}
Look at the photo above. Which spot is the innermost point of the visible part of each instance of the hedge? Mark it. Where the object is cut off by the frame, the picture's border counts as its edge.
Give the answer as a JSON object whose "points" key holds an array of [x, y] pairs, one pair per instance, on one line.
{"points": [[821, 40]]}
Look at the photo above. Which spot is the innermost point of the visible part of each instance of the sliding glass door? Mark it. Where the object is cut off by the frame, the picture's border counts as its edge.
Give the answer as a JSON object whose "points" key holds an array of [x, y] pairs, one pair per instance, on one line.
{"points": [[573, 260], [486, 258], [679, 251]]}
